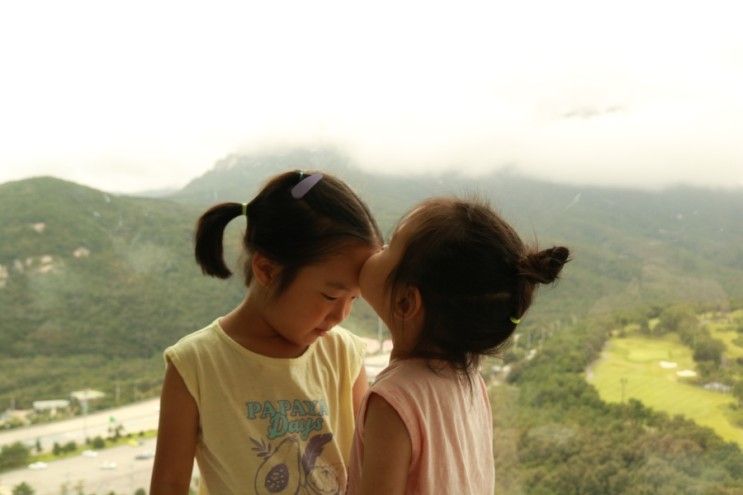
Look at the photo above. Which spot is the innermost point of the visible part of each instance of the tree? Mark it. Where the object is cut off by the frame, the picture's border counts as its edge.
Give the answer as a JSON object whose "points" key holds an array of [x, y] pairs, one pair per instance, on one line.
{"points": [[675, 318], [708, 349], [23, 489], [13, 455], [738, 391]]}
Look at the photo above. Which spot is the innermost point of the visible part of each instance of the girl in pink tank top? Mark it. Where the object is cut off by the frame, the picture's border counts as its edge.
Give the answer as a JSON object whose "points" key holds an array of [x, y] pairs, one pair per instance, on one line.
{"points": [[452, 285]]}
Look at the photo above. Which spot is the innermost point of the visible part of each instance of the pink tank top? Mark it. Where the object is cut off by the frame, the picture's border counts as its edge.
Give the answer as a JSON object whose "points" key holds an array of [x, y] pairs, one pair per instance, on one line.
{"points": [[450, 427]]}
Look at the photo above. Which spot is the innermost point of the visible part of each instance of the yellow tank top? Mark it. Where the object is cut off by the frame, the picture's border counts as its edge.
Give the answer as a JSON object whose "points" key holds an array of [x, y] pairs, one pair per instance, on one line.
{"points": [[271, 425]]}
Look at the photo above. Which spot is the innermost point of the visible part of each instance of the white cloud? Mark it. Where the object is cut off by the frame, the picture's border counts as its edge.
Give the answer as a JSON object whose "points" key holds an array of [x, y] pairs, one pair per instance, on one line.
{"points": [[148, 94]]}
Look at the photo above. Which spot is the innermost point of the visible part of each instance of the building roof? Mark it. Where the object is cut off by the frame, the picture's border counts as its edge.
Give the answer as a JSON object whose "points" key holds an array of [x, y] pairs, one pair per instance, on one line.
{"points": [[87, 394], [50, 404]]}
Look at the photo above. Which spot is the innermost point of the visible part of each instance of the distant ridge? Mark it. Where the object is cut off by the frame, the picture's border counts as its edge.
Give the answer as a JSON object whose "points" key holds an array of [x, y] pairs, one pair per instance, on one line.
{"points": [[91, 272], [93, 277], [632, 246]]}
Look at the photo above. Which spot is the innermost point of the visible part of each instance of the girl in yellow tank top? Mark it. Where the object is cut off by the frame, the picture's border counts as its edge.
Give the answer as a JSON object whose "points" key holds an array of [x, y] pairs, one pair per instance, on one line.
{"points": [[264, 398]]}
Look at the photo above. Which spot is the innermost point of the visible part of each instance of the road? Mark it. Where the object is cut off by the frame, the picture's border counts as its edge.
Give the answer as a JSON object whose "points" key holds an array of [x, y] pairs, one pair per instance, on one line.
{"points": [[128, 475], [141, 416]]}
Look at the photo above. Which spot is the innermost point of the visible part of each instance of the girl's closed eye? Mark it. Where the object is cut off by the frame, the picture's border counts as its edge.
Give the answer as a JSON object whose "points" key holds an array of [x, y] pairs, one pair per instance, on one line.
{"points": [[335, 298]]}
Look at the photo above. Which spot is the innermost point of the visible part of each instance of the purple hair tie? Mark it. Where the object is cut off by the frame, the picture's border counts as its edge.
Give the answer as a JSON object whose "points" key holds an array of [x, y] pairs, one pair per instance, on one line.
{"points": [[304, 185]]}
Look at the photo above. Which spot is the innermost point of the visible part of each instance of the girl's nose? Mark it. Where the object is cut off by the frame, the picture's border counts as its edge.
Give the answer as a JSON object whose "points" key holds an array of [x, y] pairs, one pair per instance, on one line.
{"points": [[340, 311], [347, 308]]}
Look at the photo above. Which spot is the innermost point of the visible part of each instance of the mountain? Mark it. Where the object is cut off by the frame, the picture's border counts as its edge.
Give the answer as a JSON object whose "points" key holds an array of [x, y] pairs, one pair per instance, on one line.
{"points": [[95, 285], [630, 247], [86, 272]]}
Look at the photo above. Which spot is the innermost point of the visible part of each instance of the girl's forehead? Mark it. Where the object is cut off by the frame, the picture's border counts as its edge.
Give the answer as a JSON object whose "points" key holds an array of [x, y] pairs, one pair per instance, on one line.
{"points": [[325, 274], [339, 266]]}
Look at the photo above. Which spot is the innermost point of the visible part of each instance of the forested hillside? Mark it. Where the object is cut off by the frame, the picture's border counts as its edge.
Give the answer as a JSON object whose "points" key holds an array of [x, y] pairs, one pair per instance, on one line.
{"points": [[94, 285], [555, 435], [631, 247]]}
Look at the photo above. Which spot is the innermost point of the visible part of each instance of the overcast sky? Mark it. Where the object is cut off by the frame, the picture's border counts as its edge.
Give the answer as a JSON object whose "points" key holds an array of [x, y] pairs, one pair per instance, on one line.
{"points": [[127, 96]]}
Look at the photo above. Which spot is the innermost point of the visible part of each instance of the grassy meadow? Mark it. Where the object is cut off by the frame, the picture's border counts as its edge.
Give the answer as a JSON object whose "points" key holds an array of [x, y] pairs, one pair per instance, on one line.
{"points": [[725, 330], [631, 367]]}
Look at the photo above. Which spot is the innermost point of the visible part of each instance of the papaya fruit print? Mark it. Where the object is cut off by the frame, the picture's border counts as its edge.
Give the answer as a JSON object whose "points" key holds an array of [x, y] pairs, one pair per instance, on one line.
{"points": [[286, 470]]}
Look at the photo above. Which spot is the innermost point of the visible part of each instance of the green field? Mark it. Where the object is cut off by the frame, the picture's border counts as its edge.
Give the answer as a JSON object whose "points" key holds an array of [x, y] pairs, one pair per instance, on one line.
{"points": [[728, 337], [725, 330], [634, 364]]}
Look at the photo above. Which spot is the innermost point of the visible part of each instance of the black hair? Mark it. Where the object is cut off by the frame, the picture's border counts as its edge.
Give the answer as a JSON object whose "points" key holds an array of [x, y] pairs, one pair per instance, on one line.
{"points": [[474, 275], [291, 232]]}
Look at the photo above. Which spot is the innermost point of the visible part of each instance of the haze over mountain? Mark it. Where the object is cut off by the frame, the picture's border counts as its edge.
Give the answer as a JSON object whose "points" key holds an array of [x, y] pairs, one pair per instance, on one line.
{"points": [[630, 246], [86, 273]]}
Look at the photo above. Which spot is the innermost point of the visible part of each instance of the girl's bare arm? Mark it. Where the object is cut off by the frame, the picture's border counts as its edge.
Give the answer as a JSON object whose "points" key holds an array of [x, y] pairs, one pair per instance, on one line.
{"points": [[360, 386], [176, 437], [387, 450]]}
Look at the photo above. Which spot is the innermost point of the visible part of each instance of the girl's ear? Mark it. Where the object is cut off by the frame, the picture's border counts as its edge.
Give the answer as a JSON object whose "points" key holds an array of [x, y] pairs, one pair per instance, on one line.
{"points": [[408, 304], [265, 271]]}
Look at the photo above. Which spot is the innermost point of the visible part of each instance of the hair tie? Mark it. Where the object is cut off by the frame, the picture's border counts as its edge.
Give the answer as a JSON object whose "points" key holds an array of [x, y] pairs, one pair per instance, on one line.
{"points": [[515, 321], [304, 185], [245, 209]]}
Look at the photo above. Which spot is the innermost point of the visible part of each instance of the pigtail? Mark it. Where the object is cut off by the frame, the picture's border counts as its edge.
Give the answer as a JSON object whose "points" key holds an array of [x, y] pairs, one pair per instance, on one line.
{"points": [[209, 233], [536, 267], [543, 267]]}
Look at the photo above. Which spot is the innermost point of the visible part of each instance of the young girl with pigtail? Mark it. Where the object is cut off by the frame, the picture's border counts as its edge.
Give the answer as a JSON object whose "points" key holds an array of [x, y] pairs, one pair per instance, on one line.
{"points": [[452, 285], [265, 397]]}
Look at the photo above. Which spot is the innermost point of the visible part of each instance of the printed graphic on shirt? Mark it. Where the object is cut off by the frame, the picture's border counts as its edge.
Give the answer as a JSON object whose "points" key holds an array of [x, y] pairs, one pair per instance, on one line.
{"points": [[288, 416], [291, 466]]}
